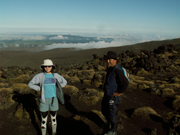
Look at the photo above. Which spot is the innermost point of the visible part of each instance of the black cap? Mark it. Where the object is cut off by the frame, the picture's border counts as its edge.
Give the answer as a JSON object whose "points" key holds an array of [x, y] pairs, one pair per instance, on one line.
{"points": [[111, 55]]}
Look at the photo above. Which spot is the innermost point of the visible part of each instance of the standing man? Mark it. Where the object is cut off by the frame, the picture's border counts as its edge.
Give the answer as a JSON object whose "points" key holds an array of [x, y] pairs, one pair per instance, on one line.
{"points": [[116, 83]]}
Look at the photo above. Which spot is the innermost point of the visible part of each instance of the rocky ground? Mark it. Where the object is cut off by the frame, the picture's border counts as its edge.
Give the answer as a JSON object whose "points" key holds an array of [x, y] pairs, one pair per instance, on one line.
{"points": [[150, 105]]}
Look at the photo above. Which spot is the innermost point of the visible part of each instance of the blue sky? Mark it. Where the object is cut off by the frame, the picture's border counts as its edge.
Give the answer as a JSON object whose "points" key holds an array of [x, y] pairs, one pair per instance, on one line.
{"points": [[145, 16]]}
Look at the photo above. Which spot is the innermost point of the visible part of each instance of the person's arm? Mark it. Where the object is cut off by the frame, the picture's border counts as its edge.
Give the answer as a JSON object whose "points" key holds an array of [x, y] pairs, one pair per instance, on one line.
{"points": [[60, 79], [33, 83], [121, 81]]}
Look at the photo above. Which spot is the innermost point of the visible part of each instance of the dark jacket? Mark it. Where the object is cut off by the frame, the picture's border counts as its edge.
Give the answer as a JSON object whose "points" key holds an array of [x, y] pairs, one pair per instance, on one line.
{"points": [[115, 80]]}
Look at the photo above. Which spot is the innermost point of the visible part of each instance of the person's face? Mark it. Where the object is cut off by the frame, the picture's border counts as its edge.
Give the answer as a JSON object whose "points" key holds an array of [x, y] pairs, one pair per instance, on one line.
{"points": [[111, 62], [48, 69]]}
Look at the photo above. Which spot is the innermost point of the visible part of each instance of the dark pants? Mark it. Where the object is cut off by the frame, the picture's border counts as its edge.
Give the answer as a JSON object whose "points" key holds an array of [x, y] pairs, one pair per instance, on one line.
{"points": [[110, 110]]}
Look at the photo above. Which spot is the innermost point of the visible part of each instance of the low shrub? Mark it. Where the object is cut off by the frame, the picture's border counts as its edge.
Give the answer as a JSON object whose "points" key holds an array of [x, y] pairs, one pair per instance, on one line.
{"points": [[6, 98]]}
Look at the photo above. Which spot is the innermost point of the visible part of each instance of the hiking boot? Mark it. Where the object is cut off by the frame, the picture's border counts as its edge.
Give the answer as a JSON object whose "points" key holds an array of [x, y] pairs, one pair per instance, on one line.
{"points": [[111, 133]]}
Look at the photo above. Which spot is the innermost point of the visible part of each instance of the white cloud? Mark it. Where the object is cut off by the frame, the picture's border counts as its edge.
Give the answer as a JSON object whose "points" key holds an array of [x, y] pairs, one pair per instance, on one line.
{"points": [[16, 45], [100, 44], [58, 37]]}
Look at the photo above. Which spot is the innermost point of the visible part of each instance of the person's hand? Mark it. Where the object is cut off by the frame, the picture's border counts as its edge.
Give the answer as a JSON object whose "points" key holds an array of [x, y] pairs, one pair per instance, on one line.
{"points": [[117, 94]]}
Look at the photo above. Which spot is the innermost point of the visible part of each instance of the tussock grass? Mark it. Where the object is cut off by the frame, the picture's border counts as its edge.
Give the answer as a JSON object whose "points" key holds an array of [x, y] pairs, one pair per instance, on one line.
{"points": [[6, 98], [97, 84], [4, 84], [93, 99], [20, 86], [6, 89], [132, 84], [70, 89], [73, 79], [20, 79], [21, 113], [145, 112], [134, 77], [144, 82], [86, 74], [77, 117], [176, 103], [143, 72], [66, 76], [168, 91], [91, 96], [87, 82]]}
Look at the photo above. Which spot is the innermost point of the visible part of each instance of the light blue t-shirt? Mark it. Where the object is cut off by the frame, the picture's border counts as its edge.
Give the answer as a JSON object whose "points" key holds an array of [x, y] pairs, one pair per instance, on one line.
{"points": [[50, 86]]}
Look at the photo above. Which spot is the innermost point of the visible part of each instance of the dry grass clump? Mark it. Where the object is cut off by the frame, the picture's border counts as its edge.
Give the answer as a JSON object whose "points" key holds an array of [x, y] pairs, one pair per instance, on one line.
{"points": [[77, 117], [132, 84], [145, 112], [177, 62], [20, 79], [92, 99], [9, 90], [176, 103], [144, 82], [21, 113], [20, 86], [93, 92], [100, 68], [70, 89], [66, 76], [135, 77], [97, 84], [175, 85], [6, 98], [168, 91], [86, 74], [87, 82], [91, 96], [72, 72], [143, 86], [73, 79], [98, 79], [143, 72], [176, 79], [4, 84]]}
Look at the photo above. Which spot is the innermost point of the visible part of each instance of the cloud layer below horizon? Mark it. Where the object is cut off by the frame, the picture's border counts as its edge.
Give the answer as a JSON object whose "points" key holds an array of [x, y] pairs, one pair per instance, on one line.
{"points": [[76, 41]]}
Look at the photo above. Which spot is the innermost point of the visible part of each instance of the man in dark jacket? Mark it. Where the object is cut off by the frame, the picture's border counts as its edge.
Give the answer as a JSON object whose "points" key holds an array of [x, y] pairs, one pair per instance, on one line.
{"points": [[116, 83]]}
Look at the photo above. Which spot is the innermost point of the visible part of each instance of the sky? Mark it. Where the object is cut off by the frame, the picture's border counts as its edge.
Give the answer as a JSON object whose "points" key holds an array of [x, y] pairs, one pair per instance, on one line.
{"points": [[144, 16]]}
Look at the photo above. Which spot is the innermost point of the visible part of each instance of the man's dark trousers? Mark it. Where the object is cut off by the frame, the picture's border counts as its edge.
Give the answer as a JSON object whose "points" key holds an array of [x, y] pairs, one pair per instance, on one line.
{"points": [[110, 110]]}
